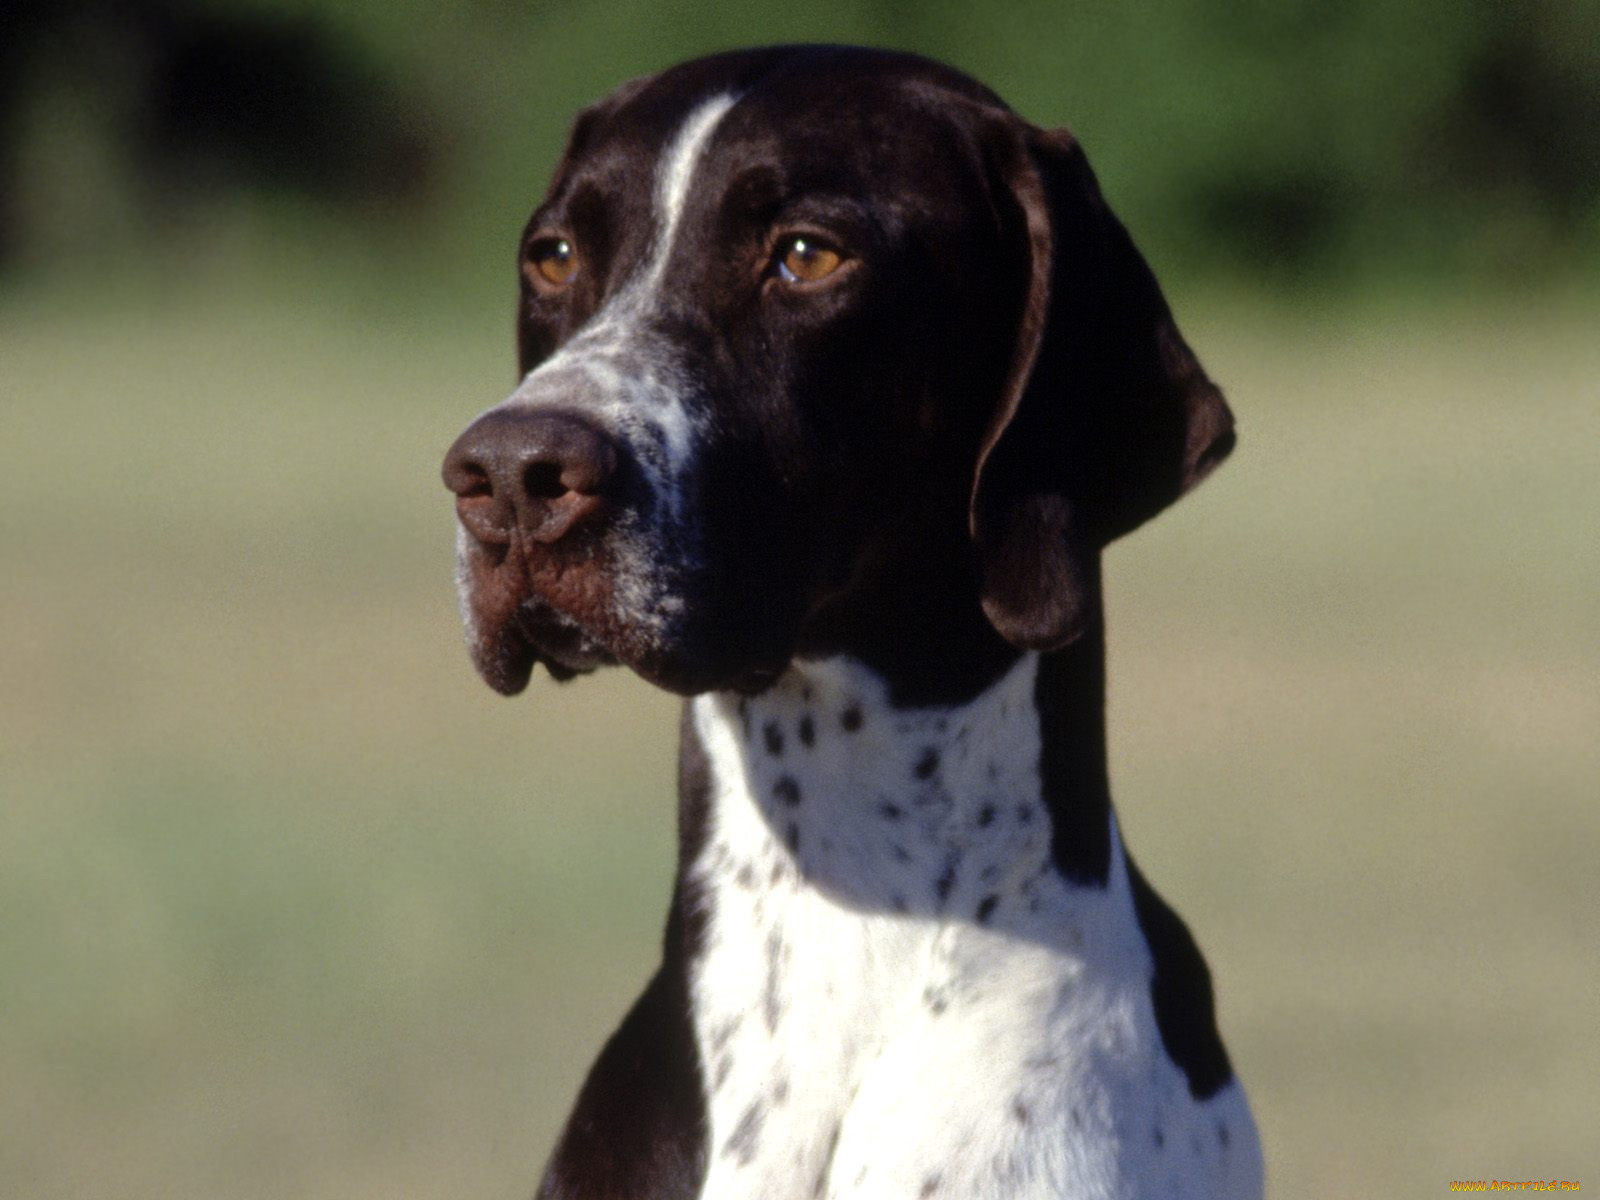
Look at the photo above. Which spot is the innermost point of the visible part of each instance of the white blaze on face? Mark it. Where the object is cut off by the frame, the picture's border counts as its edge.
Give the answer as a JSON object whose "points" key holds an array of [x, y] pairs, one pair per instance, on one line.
{"points": [[673, 178], [631, 382]]}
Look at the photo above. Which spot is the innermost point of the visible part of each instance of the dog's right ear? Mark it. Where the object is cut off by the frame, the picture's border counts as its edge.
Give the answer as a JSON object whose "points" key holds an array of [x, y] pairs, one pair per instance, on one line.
{"points": [[1104, 417]]}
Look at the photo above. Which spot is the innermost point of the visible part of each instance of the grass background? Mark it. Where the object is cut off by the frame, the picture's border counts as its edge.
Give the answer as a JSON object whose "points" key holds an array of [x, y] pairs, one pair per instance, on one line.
{"points": [[293, 906]]}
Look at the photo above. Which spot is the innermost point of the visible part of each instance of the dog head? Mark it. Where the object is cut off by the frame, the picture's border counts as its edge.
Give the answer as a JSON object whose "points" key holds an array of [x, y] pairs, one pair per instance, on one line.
{"points": [[801, 331]]}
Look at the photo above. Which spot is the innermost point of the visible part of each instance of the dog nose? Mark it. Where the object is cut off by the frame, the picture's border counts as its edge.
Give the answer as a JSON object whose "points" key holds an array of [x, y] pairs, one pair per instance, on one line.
{"points": [[537, 472]]}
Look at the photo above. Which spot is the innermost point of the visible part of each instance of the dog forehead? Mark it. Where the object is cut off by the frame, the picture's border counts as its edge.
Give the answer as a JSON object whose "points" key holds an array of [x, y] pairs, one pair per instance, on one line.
{"points": [[876, 112]]}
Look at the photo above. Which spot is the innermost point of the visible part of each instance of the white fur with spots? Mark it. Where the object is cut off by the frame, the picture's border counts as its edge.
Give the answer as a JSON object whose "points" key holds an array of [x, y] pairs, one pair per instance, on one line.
{"points": [[898, 996]]}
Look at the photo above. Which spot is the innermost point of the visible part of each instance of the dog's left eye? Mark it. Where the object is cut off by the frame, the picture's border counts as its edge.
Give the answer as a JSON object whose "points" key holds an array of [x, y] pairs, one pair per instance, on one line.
{"points": [[805, 259]]}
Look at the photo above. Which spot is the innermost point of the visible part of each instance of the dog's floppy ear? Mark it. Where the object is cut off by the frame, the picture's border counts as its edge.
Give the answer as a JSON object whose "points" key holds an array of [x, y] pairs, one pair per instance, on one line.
{"points": [[1105, 417]]}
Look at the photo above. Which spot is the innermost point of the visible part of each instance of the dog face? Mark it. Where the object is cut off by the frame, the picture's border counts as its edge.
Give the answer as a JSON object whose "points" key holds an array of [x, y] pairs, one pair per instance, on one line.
{"points": [[799, 326]]}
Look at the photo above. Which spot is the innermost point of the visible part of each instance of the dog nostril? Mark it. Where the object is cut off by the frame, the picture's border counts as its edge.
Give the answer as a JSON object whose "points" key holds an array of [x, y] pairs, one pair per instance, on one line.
{"points": [[542, 481], [470, 482], [589, 465]]}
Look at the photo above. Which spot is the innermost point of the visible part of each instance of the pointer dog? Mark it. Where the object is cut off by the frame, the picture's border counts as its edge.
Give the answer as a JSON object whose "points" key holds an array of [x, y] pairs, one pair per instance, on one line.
{"points": [[837, 377]]}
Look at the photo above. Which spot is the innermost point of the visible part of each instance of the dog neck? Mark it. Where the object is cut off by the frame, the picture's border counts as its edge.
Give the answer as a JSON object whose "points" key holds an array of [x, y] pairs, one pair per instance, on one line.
{"points": [[950, 811], [879, 805]]}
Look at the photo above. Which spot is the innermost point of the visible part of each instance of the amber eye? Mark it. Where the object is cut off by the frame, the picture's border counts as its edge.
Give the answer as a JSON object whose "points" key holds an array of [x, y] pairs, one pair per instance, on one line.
{"points": [[802, 259], [552, 262]]}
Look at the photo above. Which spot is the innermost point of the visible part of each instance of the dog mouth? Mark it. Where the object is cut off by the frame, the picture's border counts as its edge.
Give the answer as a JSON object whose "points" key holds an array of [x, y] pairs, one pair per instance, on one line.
{"points": [[579, 608], [535, 633]]}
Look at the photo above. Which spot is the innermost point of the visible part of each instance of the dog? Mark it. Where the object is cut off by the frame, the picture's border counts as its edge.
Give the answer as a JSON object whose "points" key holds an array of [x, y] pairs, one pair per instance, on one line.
{"points": [[837, 376]]}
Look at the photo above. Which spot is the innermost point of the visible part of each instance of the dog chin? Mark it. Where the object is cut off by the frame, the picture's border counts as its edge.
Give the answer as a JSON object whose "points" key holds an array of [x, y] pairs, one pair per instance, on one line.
{"points": [[691, 675]]}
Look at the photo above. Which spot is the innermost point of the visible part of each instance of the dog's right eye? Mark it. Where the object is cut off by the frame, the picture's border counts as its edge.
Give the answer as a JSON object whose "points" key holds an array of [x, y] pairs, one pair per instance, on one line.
{"points": [[551, 263], [804, 259]]}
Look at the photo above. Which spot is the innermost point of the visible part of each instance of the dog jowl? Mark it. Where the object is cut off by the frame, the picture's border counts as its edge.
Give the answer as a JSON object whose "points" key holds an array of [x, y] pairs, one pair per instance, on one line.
{"points": [[837, 376]]}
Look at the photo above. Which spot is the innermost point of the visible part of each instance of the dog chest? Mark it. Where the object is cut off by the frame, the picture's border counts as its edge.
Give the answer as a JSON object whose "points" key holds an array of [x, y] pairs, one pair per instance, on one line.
{"points": [[896, 994]]}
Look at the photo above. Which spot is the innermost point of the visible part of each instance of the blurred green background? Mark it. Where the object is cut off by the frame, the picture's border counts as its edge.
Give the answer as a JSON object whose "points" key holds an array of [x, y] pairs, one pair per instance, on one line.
{"points": [[292, 906]]}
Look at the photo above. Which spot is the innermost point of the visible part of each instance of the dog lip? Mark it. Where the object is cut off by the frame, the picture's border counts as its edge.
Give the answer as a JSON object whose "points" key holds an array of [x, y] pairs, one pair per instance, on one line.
{"points": [[513, 625]]}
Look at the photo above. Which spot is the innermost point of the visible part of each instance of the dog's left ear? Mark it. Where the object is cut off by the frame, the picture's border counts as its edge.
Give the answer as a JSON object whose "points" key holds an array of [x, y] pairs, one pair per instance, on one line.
{"points": [[1104, 418]]}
